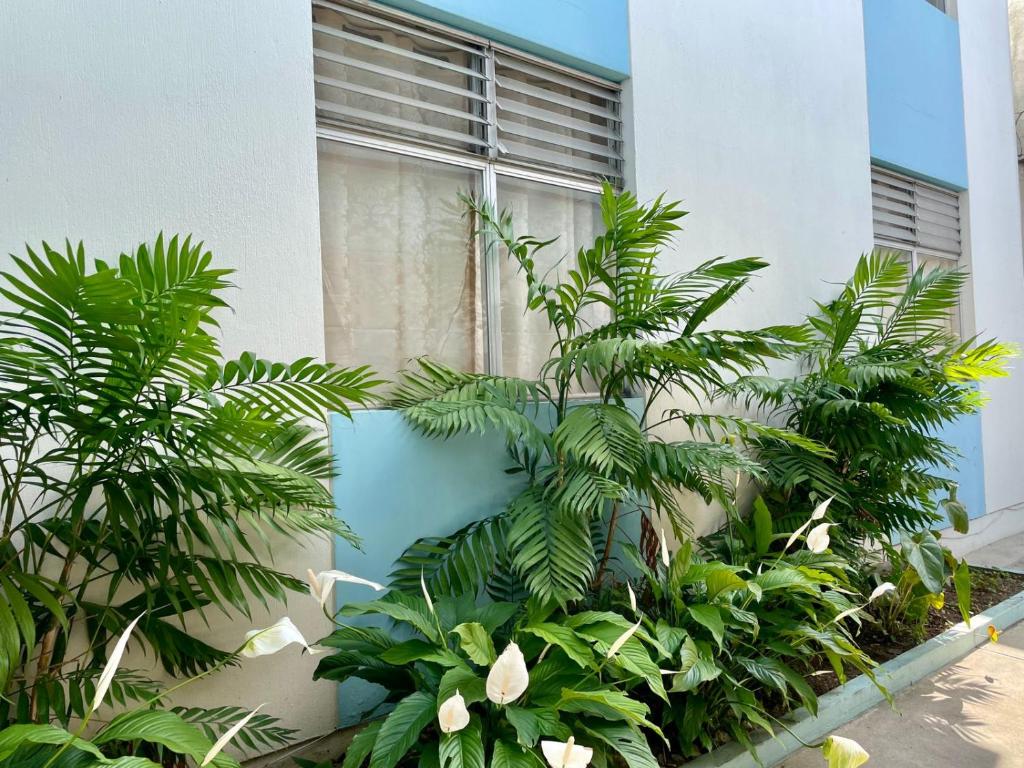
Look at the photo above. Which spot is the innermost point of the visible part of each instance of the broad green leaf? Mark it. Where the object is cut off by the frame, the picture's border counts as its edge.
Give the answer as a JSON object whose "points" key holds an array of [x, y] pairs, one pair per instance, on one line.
{"points": [[401, 729], [476, 643], [14, 736], [702, 671], [962, 584], [925, 554], [957, 514], [565, 638], [465, 681], [510, 755], [463, 749], [710, 617], [420, 650], [608, 704], [164, 728], [626, 740], [762, 526], [361, 745], [721, 581], [533, 722]]}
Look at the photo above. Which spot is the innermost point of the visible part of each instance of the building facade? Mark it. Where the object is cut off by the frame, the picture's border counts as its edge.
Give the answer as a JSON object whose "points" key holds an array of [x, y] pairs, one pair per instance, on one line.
{"points": [[320, 149]]}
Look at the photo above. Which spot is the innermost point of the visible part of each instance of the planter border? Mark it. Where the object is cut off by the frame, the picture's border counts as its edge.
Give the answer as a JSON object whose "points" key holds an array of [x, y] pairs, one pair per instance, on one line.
{"points": [[847, 702]]}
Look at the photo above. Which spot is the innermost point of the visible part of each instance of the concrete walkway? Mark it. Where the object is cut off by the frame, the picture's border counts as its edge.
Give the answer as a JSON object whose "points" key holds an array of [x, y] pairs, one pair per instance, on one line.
{"points": [[968, 715], [1007, 554]]}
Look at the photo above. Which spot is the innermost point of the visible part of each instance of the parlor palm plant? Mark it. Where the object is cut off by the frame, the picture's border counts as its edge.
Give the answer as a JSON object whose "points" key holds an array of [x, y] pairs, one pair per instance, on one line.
{"points": [[142, 474], [589, 461]]}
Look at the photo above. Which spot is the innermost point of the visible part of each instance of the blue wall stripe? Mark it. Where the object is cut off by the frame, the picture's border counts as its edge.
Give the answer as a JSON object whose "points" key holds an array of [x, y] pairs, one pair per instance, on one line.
{"points": [[915, 90], [592, 35]]}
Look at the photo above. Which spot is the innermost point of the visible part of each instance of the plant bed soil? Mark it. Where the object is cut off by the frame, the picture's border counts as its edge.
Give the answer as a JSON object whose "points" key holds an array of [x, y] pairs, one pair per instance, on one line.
{"points": [[988, 587]]}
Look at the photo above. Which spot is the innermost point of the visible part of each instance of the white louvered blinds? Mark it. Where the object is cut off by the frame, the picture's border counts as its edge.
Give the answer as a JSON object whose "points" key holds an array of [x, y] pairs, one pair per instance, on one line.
{"points": [[392, 77], [550, 118], [914, 214]]}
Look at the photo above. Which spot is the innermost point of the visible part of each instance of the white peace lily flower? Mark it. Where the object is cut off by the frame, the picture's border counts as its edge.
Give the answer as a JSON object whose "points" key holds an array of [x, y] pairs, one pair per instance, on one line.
{"points": [[632, 596], [566, 754], [452, 715], [107, 675], [817, 539], [817, 514], [509, 677], [840, 752], [263, 642], [621, 639], [228, 735], [426, 594], [883, 588], [321, 584], [664, 549]]}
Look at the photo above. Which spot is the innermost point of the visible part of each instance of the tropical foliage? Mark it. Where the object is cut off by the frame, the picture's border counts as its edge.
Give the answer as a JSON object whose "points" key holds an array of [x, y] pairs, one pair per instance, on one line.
{"points": [[741, 634], [885, 371], [143, 474], [472, 685], [587, 463]]}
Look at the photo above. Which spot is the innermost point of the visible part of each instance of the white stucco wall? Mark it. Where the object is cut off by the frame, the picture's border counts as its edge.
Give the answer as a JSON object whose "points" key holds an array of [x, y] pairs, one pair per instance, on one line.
{"points": [[994, 235], [119, 119], [761, 129]]}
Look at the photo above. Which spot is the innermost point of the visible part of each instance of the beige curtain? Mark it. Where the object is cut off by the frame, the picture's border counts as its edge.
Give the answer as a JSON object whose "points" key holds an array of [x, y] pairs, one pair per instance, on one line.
{"points": [[400, 269], [543, 211]]}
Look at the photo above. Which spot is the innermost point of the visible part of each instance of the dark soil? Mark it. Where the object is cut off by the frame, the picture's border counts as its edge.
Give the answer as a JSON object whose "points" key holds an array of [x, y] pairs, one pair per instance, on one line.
{"points": [[988, 587]]}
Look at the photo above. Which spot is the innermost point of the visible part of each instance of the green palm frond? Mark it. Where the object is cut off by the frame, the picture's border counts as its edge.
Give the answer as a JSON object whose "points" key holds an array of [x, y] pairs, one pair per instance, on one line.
{"points": [[136, 459]]}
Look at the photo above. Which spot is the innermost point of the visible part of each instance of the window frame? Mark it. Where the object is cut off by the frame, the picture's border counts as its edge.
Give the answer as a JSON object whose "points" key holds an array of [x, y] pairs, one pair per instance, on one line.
{"points": [[490, 165]]}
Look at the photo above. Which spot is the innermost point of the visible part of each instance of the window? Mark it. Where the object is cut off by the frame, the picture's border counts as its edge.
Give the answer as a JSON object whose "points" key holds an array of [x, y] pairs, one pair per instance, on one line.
{"points": [[918, 220], [410, 114]]}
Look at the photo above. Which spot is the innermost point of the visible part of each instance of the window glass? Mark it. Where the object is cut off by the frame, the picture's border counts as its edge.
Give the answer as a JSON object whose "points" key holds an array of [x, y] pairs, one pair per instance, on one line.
{"points": [[931, 262], [543, 211], [400, 266]]}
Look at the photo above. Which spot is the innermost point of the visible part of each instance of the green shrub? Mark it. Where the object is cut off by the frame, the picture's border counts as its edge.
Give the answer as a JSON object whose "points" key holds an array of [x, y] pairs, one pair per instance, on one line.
{"points": [[742, 634], [578, 683], [589, 462], [142, 474], [884, 374]]}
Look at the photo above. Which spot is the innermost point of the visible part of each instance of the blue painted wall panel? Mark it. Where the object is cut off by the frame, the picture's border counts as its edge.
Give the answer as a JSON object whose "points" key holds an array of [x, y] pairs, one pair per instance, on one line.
{"points": [[965, 434], [915, 90], [591, 35], [396, 486]]}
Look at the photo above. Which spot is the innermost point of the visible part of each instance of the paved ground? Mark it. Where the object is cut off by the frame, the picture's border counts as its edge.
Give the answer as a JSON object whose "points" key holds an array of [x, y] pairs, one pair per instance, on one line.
{"points": [[968, 715], [1007, 553]]}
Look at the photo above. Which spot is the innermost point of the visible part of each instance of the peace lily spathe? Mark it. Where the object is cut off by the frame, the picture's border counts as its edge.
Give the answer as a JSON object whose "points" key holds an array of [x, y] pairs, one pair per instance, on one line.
{"points": [[884, 588], [817, 539], [840, 752], [566, 754], [227, 736], [664, 549], [621, 639], [509, 677], [817, 514], [452, 715], [107, 675], [632, 596], [321, 584], [426, 593], [263, 642]]}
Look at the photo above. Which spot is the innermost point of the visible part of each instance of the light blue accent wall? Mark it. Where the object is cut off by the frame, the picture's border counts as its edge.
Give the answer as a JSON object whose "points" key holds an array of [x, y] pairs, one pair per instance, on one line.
{"points": [[965, 434], [590, 35], [397, 486], [915, 90]]}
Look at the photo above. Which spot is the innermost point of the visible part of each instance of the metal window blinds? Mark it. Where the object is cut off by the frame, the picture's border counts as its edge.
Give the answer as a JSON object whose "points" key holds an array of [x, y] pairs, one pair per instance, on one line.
{"points": [[914, 213], [391, 77]]}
